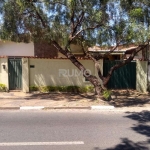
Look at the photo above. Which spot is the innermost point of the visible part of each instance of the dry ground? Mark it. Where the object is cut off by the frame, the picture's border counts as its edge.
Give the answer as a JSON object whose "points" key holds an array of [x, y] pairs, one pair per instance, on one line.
{"points": [[119, 98], [127, 98]]}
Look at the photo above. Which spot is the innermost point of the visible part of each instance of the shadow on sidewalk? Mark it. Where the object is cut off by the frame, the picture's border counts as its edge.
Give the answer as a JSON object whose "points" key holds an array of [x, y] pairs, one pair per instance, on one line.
{"points": [[61, 96], [128, 102], [123, 98], [127, 98]]}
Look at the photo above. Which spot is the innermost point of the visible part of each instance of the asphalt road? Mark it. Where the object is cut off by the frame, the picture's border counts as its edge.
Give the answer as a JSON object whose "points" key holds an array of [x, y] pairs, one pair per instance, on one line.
{"points": [[74, 130]]}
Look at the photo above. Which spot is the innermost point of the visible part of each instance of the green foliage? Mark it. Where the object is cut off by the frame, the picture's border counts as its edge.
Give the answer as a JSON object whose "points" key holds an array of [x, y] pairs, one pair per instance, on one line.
{"points": [[2, 87], [104, 22], [57, 18], [86, 89], [111, 19], [33, 88], [71, 89], [52, 88], [137, 12], [107, 94], [44, 89]]}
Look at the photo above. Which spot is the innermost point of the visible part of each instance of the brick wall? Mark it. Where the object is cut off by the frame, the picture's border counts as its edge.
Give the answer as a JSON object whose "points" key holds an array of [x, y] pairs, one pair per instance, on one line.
{"points": [[43, 49]]}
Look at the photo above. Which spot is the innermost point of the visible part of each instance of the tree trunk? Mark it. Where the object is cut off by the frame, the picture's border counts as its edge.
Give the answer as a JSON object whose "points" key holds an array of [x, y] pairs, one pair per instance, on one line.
{"points": [[93, 79]]}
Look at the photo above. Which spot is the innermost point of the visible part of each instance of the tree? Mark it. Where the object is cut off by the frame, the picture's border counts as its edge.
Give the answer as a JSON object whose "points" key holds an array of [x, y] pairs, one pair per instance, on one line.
{"points": [[62, 22]]}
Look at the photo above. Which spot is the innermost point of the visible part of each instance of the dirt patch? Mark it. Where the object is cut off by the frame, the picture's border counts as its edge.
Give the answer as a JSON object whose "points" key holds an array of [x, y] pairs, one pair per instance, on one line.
{"points": [[61, 96], [127, 98], [119, 98]]}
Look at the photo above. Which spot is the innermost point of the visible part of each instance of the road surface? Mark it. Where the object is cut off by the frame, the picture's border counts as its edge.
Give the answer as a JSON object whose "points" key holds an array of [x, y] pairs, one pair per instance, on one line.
{"points": [[74, 130]]}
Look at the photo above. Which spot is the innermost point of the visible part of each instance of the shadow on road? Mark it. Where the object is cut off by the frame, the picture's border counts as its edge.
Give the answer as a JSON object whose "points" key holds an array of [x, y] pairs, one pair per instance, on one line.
{"points": [[141, 127], [127, 144], [140, 117]]}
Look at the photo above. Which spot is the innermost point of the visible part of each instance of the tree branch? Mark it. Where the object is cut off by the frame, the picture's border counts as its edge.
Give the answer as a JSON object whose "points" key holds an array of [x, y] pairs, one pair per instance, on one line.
{"points": [[74, 25], [90, 28], [39, 16], [100, 56], [117, 66], [79, 22], [72, 21]]}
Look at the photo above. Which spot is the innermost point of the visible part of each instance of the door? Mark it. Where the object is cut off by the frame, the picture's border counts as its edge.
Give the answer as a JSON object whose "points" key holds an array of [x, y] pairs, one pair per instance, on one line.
{"points": [[15, 73], [122, 78]]}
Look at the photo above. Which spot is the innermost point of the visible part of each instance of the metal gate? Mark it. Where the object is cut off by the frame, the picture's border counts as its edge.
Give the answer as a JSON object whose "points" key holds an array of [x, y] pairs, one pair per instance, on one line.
{"points": [[122, 78], [15, 73]]}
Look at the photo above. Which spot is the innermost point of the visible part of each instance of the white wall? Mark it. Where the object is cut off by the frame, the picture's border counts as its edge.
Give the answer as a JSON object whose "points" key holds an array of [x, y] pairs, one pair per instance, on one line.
{"points": [[47, 72], [141, 76], [4, 72], [25, 75], [8, 48]]}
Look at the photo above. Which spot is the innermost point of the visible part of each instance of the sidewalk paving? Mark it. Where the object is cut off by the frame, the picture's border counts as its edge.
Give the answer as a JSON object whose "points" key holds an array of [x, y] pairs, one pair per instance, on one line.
{"points": [[49, 100], [18, 100]]}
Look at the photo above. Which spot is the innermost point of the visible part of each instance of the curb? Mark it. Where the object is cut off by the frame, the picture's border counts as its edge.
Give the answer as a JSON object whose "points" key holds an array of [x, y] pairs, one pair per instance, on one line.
{"points": [[32, 107], [52, 108], [102, 107], [47, 108], [9, 108], [98, 108]]}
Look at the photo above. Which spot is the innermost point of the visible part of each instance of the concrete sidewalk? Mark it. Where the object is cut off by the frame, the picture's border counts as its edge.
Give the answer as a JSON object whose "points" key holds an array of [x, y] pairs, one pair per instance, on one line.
{"points": [[20, 100], [17, 100]]}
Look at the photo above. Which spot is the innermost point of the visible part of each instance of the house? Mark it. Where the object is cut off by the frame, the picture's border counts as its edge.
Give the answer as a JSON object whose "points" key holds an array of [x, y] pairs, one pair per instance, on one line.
{"points": [[121, 52], [39, 64], [135, 75], [8, 48]]}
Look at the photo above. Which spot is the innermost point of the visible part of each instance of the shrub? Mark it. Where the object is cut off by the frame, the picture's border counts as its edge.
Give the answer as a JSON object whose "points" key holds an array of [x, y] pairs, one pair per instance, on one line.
{"points": [[61, 88], [107, 94], [52, 88], [86, 89], [33, 88], [2, 87], [72, 89], [44, 89]]}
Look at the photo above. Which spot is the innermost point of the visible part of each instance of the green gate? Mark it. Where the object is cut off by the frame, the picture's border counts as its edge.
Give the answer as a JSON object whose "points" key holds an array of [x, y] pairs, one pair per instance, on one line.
{"points": [[15, 73], [122, 78]]}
